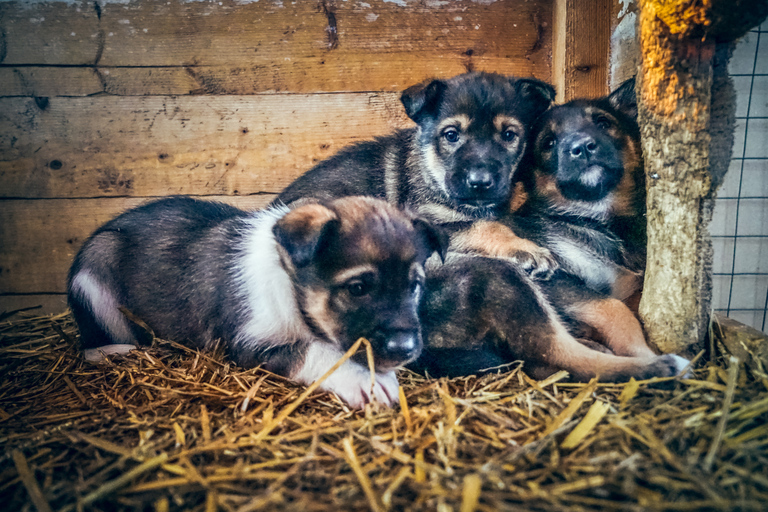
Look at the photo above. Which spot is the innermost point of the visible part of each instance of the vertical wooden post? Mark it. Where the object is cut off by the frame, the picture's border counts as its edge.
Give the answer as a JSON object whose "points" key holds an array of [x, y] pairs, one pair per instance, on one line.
{"points": [[678, 41], [582, 39], [674, 99]]}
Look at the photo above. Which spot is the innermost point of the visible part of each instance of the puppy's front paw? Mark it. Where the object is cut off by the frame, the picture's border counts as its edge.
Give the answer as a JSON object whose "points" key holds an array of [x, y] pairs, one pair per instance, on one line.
{"points": [[535, 260], [352, 383]]}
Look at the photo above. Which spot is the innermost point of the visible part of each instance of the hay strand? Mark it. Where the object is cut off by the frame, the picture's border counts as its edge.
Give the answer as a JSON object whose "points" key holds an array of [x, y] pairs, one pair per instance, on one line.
{"points": [[169, 428]]}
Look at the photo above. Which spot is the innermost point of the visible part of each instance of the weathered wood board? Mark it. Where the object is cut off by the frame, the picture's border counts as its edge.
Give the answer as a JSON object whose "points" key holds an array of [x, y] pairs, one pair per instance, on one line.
{"points": [[45, 235], [155, 145], [230, 47]]}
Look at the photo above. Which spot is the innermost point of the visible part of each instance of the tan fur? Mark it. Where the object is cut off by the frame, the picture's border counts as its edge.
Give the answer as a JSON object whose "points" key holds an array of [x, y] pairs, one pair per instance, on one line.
{"points": [[627, 284], [309, 217], [460, 121], [316, 304], [492, 239], [623, 194], [501, 123], [616, 326], [519, 197]]}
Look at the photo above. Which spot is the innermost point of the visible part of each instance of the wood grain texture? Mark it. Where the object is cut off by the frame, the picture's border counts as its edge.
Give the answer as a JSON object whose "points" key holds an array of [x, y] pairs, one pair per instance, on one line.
{"points": [[40, 237], [158, 47], [149, 146], [582, 47]]}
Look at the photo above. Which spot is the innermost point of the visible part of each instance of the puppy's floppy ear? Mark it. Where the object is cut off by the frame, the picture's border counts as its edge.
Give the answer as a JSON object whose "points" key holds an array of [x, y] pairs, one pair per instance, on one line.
{"points": [[422, 100], [303, 232], [436, 238], [624, 99], [537, 91]]}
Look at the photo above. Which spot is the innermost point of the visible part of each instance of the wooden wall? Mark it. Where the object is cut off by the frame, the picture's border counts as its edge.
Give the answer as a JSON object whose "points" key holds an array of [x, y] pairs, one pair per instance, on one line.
{"points": [[105, 104]]}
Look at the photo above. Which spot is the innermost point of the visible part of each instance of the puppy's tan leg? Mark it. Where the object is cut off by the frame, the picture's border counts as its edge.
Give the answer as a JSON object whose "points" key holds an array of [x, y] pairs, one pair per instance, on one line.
{"points": [[616, 326], [566, 353], [495, 240], [557, 349]]}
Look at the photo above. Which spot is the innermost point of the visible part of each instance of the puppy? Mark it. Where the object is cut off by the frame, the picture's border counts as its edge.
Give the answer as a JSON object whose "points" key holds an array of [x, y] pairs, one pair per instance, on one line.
{"points": [[290, 290], [455, 166], [583, 200]]}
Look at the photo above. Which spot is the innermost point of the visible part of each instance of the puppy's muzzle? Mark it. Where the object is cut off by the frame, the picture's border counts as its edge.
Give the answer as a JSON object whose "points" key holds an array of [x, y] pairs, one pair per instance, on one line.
{"points": [[398, 347], [480, 180], [582, 147]]}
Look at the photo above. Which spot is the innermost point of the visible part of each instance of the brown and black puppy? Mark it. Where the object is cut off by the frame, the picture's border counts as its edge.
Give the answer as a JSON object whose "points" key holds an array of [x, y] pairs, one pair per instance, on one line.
{"points": [[584, 202], [455, 166], [291, 290]]}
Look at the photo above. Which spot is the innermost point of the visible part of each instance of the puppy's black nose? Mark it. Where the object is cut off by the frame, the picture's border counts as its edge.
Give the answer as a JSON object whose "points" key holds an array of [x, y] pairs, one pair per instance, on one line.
{"points": [[583, 147], [403, 345], [479, 179]]}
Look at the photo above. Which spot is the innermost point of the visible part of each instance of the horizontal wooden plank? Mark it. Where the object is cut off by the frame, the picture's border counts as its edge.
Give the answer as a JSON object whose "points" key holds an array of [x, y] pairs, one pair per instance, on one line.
{"points": [[32, 304], [242, 48], [322, 74], [150, 146], [39, 238]]}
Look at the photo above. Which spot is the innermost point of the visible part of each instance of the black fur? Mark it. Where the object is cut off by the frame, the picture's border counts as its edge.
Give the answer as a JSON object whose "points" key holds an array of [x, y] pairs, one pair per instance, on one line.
{"points": [[465, 179]]}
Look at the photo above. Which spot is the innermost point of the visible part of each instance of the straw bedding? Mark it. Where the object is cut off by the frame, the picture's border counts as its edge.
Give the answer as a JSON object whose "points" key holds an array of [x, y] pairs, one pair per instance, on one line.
{"points": [[168, 428]]}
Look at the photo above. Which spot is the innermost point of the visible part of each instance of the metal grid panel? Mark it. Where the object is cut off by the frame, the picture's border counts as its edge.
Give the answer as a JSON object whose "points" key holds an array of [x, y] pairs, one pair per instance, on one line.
{"points": [[740, 224]]}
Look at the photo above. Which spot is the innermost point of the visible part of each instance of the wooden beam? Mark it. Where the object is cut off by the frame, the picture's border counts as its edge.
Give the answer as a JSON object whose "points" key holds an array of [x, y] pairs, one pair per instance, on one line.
{"points": [[581, 48]]}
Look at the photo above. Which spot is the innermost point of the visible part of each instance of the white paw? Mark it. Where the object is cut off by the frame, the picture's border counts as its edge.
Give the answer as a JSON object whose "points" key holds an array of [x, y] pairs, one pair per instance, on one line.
{"points": [[681, 364], [99, 354], [352, 383]]}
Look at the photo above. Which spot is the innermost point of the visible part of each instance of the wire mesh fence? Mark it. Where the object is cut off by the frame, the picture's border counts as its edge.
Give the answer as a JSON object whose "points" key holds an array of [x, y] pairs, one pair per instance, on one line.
{"points": [[740, 224]]}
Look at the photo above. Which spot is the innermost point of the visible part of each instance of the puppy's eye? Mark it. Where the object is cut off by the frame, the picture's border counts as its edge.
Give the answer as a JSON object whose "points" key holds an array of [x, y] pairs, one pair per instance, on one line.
{"points": [[508, 136], [451, 135], [603, 122], [358, 288], [548, 142]]}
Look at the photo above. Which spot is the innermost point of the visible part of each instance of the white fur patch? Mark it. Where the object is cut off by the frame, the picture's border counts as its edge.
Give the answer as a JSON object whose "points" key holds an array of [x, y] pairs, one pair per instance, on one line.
{"points": [[598, 210], [592, 176], [104, 306], [267, 288], [681, 364], [351, 381], [99, 354], [581, 262]]}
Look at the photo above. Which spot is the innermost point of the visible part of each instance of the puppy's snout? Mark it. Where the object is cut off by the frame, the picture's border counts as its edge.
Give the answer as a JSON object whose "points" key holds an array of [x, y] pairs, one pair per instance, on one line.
{"points": [[403, 345], [480, 179], [582, 147]]}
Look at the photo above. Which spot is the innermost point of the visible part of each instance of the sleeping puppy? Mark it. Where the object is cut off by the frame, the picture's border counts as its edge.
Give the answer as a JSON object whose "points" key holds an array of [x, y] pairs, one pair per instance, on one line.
{"points": [[290, 290], [584, 201], [458, 163]]}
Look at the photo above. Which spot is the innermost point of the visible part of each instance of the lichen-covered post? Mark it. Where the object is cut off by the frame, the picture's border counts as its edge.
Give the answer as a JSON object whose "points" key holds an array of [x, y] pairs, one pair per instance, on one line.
{"points": [[678, 41]]}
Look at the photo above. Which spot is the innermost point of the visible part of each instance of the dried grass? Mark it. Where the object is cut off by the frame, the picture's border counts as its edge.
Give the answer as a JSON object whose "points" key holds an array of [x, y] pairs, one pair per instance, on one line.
{"points": [[169, 428]]}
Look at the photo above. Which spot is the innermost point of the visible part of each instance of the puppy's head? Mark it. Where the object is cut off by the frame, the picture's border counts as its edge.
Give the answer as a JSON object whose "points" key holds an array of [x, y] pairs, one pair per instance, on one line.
{"points": [[358, 270], [587, 156], [473, 131]]}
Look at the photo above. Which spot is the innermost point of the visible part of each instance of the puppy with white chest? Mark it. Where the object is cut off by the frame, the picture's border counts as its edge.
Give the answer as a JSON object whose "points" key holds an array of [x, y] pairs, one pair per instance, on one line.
{"points": [[290, 290]]}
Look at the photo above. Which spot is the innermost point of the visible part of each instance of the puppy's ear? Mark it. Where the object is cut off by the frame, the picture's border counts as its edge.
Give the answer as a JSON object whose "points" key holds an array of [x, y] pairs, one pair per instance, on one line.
{"points": [[436, 238], [624, 99], [422, 100], [541, 93], [304, 232]]}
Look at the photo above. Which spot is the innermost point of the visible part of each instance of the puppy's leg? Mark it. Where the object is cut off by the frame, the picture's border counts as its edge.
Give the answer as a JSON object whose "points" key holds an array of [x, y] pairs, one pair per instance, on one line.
{"points": [[351, 381], [615, 324], [495, 240], [565, 352]]}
